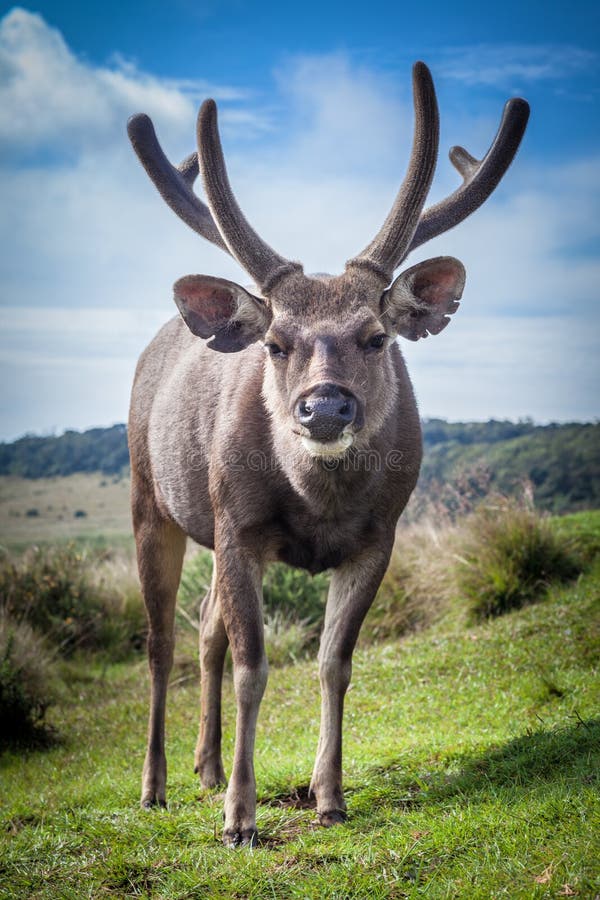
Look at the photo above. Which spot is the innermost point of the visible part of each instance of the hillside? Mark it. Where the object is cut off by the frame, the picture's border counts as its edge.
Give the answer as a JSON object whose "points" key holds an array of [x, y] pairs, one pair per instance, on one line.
{"points": [[561, 462], [462, 461], [96, 450], [471, 767]]}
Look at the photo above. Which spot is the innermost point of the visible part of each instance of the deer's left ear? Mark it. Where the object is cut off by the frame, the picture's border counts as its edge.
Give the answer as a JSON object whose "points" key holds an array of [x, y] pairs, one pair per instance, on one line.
{"points": [[422, 299]]}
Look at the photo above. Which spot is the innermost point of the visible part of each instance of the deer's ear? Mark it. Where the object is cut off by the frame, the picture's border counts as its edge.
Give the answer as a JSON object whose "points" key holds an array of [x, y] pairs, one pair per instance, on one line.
{"points": [[422, 299], [221, 310]]}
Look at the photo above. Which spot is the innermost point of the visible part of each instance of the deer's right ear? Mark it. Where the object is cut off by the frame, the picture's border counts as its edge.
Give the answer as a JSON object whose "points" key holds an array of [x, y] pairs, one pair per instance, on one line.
{"points": [[221, 310]]}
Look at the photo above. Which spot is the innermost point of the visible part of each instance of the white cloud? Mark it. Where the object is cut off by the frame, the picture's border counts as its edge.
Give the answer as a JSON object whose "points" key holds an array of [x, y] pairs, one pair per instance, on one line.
{"points": [[509, 64], [90, 251], [50, 99], [490, 366]]}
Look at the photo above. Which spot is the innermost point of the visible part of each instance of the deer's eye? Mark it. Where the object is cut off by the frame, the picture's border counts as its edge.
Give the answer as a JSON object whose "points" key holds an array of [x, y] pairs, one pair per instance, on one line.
{"points": [[376, 342], [275, 350]]}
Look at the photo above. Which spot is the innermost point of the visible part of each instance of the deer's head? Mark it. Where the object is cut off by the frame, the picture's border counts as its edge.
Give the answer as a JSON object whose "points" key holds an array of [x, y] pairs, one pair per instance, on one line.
{"points": [[327, 340]]}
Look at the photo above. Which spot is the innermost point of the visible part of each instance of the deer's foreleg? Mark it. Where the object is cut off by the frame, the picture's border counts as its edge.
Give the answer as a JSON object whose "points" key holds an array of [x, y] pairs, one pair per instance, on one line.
{"points": [[238, 582], [353, 587]]}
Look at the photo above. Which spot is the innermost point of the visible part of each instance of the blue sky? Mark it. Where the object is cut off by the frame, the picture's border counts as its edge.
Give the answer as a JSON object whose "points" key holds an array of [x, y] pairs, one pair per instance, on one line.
{"points": [[317, 123]]}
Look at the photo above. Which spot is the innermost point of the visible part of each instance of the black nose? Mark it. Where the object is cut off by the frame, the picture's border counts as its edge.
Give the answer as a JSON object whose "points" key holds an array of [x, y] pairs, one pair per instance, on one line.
{"points": [[326, 412]]}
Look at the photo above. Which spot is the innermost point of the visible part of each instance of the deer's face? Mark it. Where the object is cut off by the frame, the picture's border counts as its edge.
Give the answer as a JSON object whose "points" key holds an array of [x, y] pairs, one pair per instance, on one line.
{"points": [[325, 377], [328, 371]]}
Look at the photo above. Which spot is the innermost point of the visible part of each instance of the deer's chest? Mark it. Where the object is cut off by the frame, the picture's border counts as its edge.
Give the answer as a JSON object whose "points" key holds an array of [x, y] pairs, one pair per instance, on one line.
{"points": [[317, 545]]}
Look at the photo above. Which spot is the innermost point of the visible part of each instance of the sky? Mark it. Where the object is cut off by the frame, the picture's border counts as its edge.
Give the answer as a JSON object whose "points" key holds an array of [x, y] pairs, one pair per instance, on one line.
{"points": [[316, 116]]}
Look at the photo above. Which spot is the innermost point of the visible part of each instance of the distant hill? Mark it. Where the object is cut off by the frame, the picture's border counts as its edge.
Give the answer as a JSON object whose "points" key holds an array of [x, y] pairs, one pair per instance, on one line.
{"points": [[561, 463], [462, 461], [97, 450]]}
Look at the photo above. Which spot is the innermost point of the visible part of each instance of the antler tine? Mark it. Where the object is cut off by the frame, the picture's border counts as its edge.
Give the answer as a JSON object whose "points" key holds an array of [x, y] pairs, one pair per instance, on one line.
{"points": [[480, 177], [173, 184], [389, 246], [261, 262]]}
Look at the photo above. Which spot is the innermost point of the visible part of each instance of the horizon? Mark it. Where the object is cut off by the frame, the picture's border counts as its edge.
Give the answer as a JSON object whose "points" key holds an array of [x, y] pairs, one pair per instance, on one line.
{"points": [[317, 127]]}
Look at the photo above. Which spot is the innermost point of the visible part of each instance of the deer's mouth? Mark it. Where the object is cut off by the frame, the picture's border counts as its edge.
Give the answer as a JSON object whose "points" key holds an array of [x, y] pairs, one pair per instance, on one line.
{"points": [[328, 449]]}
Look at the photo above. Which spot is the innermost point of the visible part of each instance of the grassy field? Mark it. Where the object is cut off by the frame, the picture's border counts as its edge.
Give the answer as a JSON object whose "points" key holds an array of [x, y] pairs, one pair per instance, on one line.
{"points": [[472, 768], [54, 509]]}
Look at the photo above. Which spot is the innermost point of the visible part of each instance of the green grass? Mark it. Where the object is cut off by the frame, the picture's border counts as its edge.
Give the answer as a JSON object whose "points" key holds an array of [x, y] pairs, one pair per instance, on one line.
{"points": [[471, 758]]}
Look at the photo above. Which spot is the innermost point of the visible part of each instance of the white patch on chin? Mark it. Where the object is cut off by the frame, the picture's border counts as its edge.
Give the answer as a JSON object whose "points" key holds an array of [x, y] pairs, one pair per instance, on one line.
{"points": [[330, 450]]}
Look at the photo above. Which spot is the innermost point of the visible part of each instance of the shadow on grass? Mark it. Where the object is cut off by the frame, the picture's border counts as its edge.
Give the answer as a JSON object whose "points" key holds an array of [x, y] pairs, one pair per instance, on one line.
{"points": [[29, 738], [538, 756]]}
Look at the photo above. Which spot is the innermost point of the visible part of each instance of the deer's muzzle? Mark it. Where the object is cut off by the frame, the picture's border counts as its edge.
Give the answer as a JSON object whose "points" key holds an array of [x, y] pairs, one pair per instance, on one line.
{"points": [[326, 412]]}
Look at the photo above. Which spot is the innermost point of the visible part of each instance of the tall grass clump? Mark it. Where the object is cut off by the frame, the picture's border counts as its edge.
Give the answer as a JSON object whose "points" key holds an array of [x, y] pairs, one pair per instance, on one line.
{"points": [[79, 600], [510, 556], [28, 682], [418, 587]]}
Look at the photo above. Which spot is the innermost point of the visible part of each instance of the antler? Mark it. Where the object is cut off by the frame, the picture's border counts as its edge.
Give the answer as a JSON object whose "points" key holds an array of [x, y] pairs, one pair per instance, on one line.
{"points": [[480, 177], [261, 262], [174, 184], [390, 245]]}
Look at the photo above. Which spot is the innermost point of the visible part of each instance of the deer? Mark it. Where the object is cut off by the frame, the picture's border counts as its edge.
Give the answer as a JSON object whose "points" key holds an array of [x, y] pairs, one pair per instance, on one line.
{"points": [[306, 374]]}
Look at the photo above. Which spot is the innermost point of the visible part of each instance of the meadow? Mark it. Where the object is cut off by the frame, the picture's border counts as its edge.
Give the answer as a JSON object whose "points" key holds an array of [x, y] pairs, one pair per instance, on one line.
{"points": [[46, 510], [472, 727]]}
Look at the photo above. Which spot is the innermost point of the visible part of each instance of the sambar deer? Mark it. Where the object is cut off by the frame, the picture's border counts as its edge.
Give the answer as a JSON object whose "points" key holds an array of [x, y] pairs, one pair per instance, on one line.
{"points": [[309, 379]]}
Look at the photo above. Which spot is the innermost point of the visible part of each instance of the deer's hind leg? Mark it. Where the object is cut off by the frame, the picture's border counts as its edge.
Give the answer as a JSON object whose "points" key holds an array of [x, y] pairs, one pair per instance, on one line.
{"points": [[160, 548], [213, 646]]}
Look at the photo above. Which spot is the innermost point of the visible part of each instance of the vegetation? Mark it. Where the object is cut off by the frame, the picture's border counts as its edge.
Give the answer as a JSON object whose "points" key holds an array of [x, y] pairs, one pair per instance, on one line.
{"points": [[63, 593], [56, 502], [472, 761], [97, 450], [560, 462], [28, 682], [472, 739], [511, 557]]}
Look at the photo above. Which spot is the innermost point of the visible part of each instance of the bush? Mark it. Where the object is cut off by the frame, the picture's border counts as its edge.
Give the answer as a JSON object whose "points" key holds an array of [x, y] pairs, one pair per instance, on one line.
{"points": [[294, 594], [65, 594], [511, 556], [27, 682], [293, 603]]}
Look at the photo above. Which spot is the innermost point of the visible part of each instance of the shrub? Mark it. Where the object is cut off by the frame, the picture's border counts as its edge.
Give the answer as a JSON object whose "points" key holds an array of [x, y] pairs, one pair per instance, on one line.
{"points": [[64, 594], [293, 603], [511, 556], [294, 594], [27, 682]]}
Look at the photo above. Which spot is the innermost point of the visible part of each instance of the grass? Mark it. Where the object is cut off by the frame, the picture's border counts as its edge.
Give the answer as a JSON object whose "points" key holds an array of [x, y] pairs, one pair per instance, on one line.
{"points": [[46, 509], [471, 757]]}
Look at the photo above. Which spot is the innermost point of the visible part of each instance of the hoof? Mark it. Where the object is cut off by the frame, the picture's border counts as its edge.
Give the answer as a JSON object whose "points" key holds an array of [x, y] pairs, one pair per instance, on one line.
{"points": [[332, 817], [211, 776], [153, 803], [247, 837], [208, 782]]}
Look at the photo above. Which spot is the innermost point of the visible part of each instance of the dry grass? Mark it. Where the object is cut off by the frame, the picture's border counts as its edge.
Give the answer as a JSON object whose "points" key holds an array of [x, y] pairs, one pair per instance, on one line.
{"points": [[49, 509]]}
